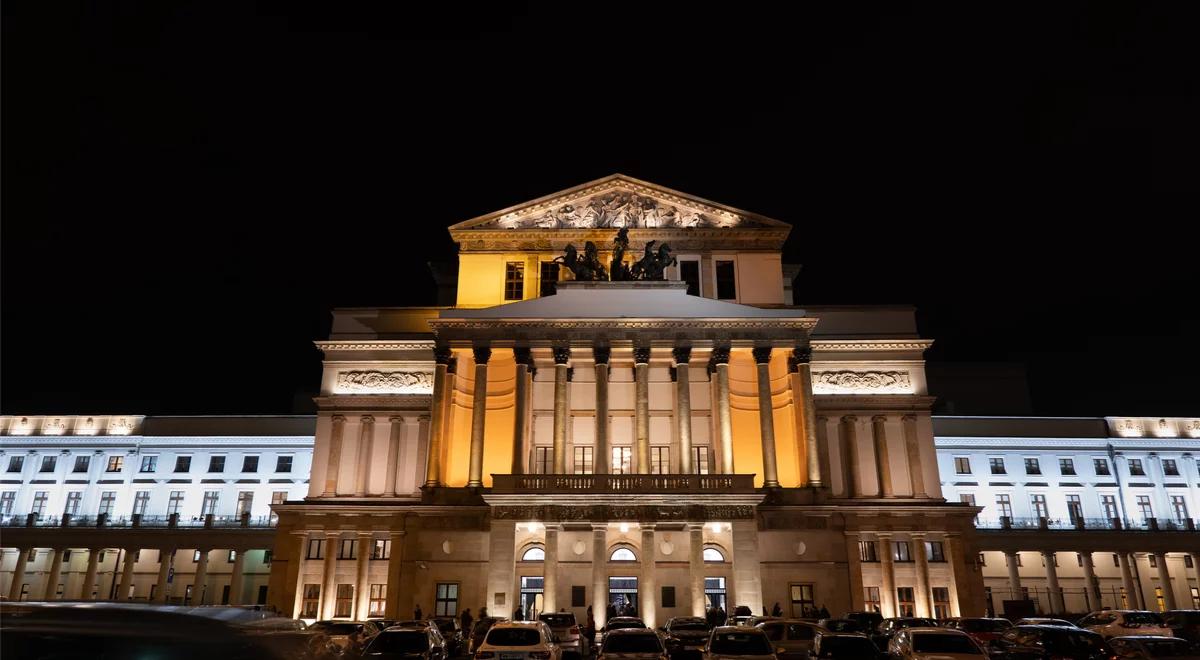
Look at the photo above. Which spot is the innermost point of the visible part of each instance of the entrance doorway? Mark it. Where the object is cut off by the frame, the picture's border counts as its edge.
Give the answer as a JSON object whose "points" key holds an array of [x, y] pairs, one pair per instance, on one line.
{"points": [[532, 589], [714, 593], [622, 596]]}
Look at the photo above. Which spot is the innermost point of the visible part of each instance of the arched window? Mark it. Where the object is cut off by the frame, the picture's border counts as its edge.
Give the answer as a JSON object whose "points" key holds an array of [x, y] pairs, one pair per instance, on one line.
{"points": [[712, 554], [536, 553], [622, 554]]}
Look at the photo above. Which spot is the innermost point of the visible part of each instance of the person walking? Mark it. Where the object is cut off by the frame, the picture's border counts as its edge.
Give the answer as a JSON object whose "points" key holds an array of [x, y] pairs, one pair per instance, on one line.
{"points": [[519, 615], [465, 619], [417, 613], [483, 612], [777, 610]]}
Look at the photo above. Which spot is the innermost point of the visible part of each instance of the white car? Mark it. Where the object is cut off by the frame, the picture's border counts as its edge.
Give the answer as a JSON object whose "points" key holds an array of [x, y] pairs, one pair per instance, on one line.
{"points": [[519, 640], [740, 642], [930, 643], [1124, 623]]}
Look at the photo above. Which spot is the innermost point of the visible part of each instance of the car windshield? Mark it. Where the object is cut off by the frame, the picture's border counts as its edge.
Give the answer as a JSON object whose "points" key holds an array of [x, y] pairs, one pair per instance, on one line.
{"points": [[1143, 618], [689, 625], [915, 623], [740, 643], [445, 625], [331, 628], [841, 625], [984, 625], [631, 644], [405, 641], [558, 620], [847, 647], [1069, 641], [617, 624], [513, 637], [939, 643]]}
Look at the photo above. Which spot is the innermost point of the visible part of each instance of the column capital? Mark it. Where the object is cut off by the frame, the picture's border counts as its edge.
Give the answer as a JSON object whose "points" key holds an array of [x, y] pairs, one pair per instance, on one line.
{"points": [[396, 419], [523, 355], [800, 355], [908, 418], [918, 535], [641, 355], [681, 354], [367, 419], [337, 419], [878, 418], [443, 355], [562, 355], [720, 355], [600, 527], [482, 354], [695, 527], [849, 419], [646, 527], [332, 534], [364, 533], [762, 354], [552, 527], [601, 354]]}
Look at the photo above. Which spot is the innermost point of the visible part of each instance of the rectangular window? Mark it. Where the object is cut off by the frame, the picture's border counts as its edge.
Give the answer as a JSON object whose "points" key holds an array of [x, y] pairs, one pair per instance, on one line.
{"points": [[82, 463], [277, 497], [1032, 466], [115, 464], [267, 554], [668, 597], [548, 280], [660, 460], [700, 463], [1135, 468], [344, 602], [316, 549], [726, 281], [209, 506], [803, 600], [231, 556], [140, 501], [1101, 465], [866, 551], [1170, 469], [245, 503], [312, 599], [446, 599], [149, 464], [346, 549], [49, 463], [249, 464], [16, 463], [935, 550], [1109, 504], [583, 460], [1179, 508], [216, 464], [579, 596], [514, 280], [962, 465], [901, 551], [871, 599], [1040, 510], [1158, 596], [283, 464], [1147, 511], [1195, 598], [542, 460], [7, 499], [108, 499], [621, 459], [1074, 509], [1066, 466], [378, 600], [175, 503], [941, 602], [183, 463], [1004, 506], [1116, 560], [689, 271], [381, 548], [73, 500], [997, 465], [1153, 561], [907, 603]]}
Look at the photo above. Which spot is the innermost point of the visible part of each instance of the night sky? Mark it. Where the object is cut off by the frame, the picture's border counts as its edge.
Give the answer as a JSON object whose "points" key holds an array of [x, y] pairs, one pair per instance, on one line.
{"points": [[188, 189]]}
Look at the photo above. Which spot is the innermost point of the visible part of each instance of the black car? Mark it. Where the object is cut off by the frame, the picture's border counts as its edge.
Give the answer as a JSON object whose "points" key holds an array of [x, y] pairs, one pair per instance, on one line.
{"points": [[406, 643], [868, 620], [451, 631], [888, 627], [685, 636], [842, 625], [845, 646], [1045, 642], [1185, 624]]}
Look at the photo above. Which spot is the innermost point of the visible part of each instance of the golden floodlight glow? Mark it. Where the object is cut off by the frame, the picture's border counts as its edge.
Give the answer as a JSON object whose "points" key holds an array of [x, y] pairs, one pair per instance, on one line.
{"points": [[21, 427], [624, 528]]}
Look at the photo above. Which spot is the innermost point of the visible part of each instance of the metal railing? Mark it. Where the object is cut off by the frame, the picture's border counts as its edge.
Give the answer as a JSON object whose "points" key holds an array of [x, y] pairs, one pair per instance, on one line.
{"points": [[623, 483], [1145, 524], [137, 521]]}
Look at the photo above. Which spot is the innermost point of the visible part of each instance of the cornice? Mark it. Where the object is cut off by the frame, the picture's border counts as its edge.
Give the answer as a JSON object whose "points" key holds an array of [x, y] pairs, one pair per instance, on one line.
{"points": [[625, 324], [827, 404], [859, 345], [370, 402], [379, 345]]}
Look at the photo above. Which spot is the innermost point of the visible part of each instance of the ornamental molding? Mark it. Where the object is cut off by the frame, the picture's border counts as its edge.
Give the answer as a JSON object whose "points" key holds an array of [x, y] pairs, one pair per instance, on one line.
{"points": [[374, 402], [875, 382], [855, 345], [385, 382], [622, 512], [327, 346], [624, 324]]}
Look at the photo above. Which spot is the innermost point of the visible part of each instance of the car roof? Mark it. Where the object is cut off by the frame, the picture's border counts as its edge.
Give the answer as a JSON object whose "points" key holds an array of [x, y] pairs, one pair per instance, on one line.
{"points": [[780, 620], [925, 630], [519, 624], [688, 618], [420, 629], [633, 631], [737, 629], [1142, 638]]}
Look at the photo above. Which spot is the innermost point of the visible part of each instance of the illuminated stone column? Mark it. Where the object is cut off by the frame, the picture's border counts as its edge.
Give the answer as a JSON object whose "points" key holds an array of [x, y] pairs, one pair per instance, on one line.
{"points": [[165, 555], [363, 469], [883, 466], [362, 581], [502, 568], [603, 459], [237, 578], [1195, 565], [391, 606], [719, 367], [683, 407], [1131, 589], [329, 576], [562, 356], [395, 428], [1014, 575], [18, 576], [887, 574], [1164, 580], [56, 561], [959, 576], [201, 581], [301, 548], [924, 597], [337, 427], [478, 415], [127, 573], [444, 358], [696, 566], [766, 417], [1056, 594], [641, 408], [550, 570], [648, 599], [854, 570], [913, 451], [89, 575], [521, 398], [802, 400], [747, 571], [850, 437], [1090, 583], [600, 574]]}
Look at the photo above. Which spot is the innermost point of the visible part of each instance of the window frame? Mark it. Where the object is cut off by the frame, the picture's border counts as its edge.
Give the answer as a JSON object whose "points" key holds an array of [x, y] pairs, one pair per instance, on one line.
{"points": [[279, 463], [216, 464], [1033, 466], [997, 462], [450, 600], [116, 463], [246, 468], [962, 465], [1066, 466], [514, 281], [84, 461]]}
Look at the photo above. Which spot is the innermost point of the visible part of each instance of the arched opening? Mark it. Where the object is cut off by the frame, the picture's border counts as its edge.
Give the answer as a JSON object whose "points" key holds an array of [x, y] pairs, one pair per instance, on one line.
{"points": [[713, 555], [534, 553], [622, 554]]}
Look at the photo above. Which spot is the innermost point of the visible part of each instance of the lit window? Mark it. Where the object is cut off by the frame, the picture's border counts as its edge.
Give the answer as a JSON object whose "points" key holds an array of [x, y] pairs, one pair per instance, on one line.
{"points": [[376, 603], [344, 602], [245, 503], [108, 500], [621, 459], [535, 553], [514, 280], [209, 506], [660, 460], [907, 603], [1040, 510], [622, 554], [149, 464], [866, 551], [712, 554], [700, 460], [446, 599], [312, 600], [901, 551], [935, 550], [1004, 505], [962, 465], [583, 460], [115, 464], [381, 549], [542, 460]]}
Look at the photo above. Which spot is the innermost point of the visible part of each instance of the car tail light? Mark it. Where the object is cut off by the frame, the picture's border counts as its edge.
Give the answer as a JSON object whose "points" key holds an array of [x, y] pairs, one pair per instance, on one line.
{"points": [[539, 655]]}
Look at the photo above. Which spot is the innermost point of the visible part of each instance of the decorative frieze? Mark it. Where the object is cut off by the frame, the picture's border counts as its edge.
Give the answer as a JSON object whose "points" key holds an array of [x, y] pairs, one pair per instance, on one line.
{"points": [[385, 382], [631, 513], [870, 382]]}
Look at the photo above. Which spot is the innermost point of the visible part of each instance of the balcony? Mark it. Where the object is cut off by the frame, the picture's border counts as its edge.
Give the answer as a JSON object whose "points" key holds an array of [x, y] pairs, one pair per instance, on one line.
{"points": [[139, 522], [1082, 524], [619, 484]]}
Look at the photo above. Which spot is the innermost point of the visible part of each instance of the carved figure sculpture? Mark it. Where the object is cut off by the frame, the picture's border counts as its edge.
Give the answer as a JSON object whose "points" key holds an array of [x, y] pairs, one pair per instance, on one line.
{"points": [[652, 265], [618, 270]]}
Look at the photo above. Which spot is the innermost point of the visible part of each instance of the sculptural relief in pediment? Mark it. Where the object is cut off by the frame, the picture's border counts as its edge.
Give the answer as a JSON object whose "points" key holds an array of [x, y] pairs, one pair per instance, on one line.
{"points": [[617, 208]]}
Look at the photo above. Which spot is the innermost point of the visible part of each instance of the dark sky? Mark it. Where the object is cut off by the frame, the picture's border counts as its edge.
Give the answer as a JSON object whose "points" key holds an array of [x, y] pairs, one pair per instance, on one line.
{"points": [[189, 188]]}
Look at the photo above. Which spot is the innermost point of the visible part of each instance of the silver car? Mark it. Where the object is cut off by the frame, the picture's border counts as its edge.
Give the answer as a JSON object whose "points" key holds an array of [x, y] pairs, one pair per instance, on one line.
{"points": [[738, 643], [566, 632], [792, 639]]}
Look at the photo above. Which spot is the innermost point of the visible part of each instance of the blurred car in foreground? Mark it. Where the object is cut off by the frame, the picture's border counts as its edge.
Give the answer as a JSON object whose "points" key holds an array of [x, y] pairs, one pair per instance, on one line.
{"points": [[685, 635], [845, 646], [1145, 647], [1049, 642], [1184, 624], [981, 629], [1043, 621], [791, 638], [351, 636], [740, 643], [479, 630], [566, 632], [842, 625], [401, 642], [631, 644], [1121, 623], [452, 632], [889, 627], [930, 643]]}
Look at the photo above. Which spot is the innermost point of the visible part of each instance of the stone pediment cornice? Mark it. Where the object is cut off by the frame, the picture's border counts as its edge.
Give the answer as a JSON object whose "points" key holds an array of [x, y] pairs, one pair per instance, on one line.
{"points": [[379, 345], [624, 324], [860, 345]]}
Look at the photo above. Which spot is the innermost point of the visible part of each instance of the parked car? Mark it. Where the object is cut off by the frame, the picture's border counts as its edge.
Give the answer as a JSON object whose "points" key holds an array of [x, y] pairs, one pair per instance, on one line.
{"points": [[622, 622], [753, 621], [889, 627], [631, 644], [845, 646], [842, 625], [1145, 647], [524, 640], [478, 630], [1047, 642], [981, 629], [738, 642], [451, 630], [1185, 624], [685, 635], [1043, 621], [407, 642], [919, 643], [351, 636], [298, 644], [868, 620], [384, 624], [566, 633], [792, 638], [740, 615], [1120, 623]]}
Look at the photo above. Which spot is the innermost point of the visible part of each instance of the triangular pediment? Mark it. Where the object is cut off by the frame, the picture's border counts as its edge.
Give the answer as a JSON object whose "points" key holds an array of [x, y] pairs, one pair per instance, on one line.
{"points": [[615, 202]]}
